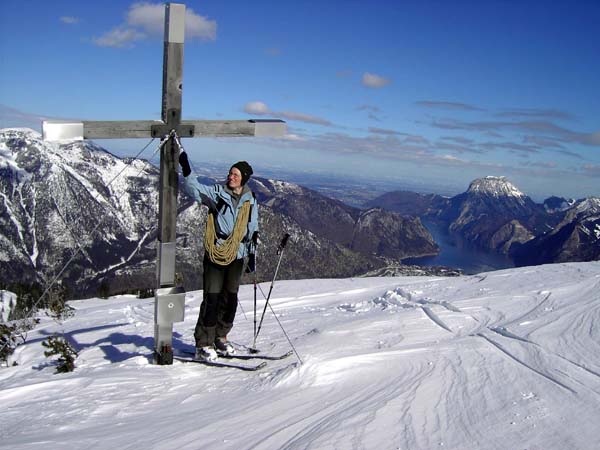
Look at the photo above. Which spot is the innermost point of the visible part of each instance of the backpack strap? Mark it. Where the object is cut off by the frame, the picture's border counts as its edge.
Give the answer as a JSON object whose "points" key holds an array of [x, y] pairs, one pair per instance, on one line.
{"points": [[221, 205], [251, 207]]}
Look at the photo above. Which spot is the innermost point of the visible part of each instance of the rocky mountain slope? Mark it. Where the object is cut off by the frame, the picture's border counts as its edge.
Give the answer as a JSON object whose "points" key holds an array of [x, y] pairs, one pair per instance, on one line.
{"points": [[372, 232], [555, 204], [575, 238]]}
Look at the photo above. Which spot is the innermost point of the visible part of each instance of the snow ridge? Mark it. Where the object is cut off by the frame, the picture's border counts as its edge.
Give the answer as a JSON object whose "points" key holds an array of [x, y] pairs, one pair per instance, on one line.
{"points": [[283, 187]]}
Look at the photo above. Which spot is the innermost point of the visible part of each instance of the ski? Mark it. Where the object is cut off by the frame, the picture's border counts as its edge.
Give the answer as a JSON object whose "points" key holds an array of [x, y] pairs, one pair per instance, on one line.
{"points": [[258, 356], [249, 356], [248, 368]]}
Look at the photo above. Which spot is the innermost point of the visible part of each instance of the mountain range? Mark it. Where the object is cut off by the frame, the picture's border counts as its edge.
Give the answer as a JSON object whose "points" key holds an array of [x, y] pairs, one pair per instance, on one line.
{"points": [[76, 202]]}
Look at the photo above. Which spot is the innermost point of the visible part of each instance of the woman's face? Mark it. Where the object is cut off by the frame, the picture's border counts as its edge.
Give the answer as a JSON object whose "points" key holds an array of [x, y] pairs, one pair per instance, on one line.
{"points": [[234, 179]]}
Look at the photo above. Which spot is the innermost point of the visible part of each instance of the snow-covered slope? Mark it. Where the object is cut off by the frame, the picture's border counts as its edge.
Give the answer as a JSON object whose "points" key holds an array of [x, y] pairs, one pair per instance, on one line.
{"points": [[501, 360]]}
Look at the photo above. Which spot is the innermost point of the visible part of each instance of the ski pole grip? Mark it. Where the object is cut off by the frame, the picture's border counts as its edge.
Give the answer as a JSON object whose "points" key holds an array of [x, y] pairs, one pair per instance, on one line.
{"points": [[184, 163], [255, 238], [284, 241]]}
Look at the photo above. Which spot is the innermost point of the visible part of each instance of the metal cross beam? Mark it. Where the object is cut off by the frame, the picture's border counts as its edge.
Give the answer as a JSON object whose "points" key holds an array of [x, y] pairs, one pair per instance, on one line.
{"points": [[169, 299]]}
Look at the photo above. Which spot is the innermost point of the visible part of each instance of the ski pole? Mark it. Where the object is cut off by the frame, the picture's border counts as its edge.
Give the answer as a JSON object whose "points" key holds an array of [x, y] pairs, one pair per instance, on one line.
{"points": [[286, 335], [252, 267], [242, 309], [253, 350], [254, 309], [280, 252]]}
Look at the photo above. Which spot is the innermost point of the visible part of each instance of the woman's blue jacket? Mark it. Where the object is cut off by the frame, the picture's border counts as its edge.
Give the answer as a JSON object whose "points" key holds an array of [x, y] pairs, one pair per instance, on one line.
{"points": [[222, 203]]}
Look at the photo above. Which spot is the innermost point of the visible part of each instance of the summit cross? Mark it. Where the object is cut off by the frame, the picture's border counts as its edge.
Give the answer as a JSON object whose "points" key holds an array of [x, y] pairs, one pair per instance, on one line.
{"points": [[169, 300]]}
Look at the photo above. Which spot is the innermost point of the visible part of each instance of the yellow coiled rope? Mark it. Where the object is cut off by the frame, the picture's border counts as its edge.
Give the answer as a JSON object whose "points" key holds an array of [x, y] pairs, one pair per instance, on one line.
{"points": [[225, 253]]}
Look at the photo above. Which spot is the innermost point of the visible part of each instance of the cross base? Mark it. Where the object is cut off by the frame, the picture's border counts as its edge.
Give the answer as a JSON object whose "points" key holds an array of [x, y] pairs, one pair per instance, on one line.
{"points": [[163, 357]]}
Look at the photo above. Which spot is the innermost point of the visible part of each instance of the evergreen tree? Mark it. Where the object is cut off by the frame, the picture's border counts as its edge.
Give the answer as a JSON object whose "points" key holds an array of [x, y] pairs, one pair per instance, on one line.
{"points": [[59, 346]]}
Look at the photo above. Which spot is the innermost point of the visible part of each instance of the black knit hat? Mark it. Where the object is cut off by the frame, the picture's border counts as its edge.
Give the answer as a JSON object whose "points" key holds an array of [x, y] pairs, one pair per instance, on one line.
{"points": [[245, 169]]}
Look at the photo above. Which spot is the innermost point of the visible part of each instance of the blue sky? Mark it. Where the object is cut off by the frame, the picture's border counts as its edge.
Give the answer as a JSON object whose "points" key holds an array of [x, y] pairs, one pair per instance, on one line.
{"points": [[438, 93]]}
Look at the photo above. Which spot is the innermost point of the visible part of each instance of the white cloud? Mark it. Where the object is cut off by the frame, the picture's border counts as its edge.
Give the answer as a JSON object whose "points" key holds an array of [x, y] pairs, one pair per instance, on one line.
{"points": [[199, 26], [148, 19], [451, 158], [119, 38], [12, 117], [258, 108], [261, 109], [544, 128], [293, 137], [70, 20], [371, 108], [385, 131], [290, 115], [151, 18], [374, 81], [448, 105]]}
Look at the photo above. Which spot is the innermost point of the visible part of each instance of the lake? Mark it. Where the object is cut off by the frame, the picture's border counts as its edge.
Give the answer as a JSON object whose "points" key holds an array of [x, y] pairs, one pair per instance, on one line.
{"points": [[458, 254]]}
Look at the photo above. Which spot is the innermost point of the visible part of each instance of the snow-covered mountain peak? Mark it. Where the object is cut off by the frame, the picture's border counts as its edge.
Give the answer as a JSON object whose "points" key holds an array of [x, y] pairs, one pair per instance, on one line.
{"points": [[283, 187], [589, 206], [495, 186], [32, 139], [22, 144]]}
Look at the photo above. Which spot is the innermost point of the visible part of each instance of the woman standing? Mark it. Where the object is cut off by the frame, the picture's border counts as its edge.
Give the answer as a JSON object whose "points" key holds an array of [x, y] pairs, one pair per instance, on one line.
{"points": [[231, 224]]}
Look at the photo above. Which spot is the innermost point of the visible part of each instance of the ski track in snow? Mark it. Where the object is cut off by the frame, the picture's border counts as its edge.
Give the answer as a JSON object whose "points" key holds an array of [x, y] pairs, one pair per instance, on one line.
{"points": [[506, 359]]}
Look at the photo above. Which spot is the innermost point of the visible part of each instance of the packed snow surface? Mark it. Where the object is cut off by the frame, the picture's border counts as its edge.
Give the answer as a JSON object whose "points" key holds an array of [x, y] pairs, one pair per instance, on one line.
{"points": [[500, 360]]}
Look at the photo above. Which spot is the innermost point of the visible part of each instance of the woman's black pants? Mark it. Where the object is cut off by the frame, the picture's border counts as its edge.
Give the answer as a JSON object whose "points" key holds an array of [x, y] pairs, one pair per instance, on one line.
{"points": [[217, 312]]}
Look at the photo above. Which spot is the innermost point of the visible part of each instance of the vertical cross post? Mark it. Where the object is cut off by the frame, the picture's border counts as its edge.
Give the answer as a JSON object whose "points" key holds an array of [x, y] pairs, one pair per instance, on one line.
{"points": [[167, 215]]}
